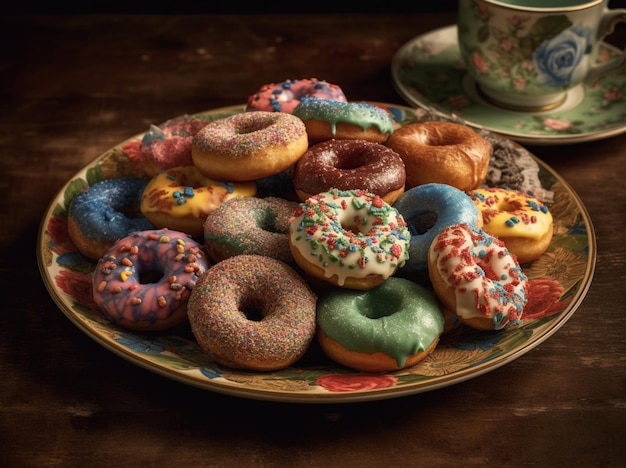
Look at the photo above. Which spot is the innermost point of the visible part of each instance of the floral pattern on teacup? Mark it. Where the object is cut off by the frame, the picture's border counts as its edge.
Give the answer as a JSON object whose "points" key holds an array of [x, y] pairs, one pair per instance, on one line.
{"points": [[546, 52]]}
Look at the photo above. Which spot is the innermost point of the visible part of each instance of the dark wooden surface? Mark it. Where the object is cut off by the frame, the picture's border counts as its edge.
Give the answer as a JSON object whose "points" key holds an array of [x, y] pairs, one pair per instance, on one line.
{"points": [[73, 86]]}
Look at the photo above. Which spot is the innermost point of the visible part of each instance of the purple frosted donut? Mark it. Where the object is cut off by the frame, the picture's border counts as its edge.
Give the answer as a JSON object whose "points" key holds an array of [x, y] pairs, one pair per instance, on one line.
{"points": [[143, 282], [252, 312], [250, 225]]}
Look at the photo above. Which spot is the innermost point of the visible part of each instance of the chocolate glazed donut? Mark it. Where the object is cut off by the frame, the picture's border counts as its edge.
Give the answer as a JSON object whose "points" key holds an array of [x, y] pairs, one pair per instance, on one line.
{"points": [[350, 165]]}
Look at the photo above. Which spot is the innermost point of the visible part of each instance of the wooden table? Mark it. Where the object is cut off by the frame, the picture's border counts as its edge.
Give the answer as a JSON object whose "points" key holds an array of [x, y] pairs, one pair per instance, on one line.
{"points": [[73, 86]]}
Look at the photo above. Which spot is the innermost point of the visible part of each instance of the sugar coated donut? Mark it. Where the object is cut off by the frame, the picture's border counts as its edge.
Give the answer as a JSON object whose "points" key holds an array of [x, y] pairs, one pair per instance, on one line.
{"points": [[390, 327], [249, 146], [349, 165], [285, 96], [143, 282], [349, 238], [325, 119], [476, 278], [250, 225], [165, 146], [427, 210], [253, 312], [104, 213], [521, 221], [442, 152], [181, 198]]}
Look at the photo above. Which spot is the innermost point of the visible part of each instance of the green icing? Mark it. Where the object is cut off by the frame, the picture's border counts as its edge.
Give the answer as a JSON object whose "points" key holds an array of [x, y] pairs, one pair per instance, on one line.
{"points": [[398, 318], [361, 114]]}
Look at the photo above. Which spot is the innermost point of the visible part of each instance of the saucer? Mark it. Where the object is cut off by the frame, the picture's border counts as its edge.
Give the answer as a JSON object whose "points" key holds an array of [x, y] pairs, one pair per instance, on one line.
{"points": [[428, 72]]}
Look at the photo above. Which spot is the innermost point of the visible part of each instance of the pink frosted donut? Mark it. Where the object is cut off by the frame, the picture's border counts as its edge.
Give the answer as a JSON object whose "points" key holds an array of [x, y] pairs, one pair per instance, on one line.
{"points": [[165, 146], [143, 282], [285, 96], [252, 312], [250, 225]]}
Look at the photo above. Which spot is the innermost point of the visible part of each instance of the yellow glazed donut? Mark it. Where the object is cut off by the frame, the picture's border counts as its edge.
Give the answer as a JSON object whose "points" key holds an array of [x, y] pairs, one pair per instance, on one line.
{"points": [[249, 146], [476, 277], [522, 222], [182, 197], [350, 238]]}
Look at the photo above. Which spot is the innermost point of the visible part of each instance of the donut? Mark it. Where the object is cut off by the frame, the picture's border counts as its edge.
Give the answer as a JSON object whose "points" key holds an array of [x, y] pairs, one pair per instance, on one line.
{"points": [[252, 312], [520, 220], [285, 96], [477, 278], [144, 280], [165, 146], [104, 213], [181, 198], [250, 225], [427, 210], [351, 238], [390, 327], [442, 152], [325, 119], [349, 165], [249, 146]]}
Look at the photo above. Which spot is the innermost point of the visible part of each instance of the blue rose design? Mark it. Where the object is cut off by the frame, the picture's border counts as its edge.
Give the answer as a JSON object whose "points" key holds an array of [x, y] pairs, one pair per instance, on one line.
{"points": [[556, 59]]}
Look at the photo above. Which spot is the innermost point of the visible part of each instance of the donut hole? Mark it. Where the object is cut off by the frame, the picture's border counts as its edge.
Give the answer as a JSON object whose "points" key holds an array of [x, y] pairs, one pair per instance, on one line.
{"points": [[378, 306], [150, 277], [422, 222], [267, 221], [353, 160], [254, 125], [251, 309]]}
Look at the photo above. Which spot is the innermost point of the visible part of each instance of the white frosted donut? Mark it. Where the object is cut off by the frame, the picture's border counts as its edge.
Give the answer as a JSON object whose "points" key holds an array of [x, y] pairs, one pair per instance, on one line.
{"points": [[476, 277], [349, 238]]}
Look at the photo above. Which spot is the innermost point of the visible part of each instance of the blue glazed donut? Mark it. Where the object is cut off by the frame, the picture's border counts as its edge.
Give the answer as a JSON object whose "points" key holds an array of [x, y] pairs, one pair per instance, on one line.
{"points": [[428, 209], [104, 213]]}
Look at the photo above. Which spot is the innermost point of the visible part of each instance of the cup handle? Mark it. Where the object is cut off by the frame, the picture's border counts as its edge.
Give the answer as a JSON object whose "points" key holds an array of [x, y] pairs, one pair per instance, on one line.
{"points": [[610, 18]]}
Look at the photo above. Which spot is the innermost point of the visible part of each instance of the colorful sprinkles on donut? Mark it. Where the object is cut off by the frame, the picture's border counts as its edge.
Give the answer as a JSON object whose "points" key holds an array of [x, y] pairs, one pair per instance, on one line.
{"points": [[350, 233]]}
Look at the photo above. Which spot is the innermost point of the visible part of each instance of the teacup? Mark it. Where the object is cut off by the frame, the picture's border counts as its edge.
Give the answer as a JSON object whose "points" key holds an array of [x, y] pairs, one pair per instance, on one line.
{"points": [[527, 54]]}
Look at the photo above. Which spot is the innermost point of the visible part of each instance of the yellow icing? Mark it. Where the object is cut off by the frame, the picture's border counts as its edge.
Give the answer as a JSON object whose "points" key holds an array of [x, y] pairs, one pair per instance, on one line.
{"points": [[509, 213], [184, 192]]}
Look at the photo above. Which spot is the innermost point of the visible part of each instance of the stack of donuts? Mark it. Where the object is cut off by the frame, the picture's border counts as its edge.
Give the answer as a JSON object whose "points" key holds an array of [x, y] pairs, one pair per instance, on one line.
{"points": [[304, 217]]}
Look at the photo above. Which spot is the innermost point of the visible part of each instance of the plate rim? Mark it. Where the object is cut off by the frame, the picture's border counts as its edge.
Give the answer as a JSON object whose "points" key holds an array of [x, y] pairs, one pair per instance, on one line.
{"points": [[540, 140], [327, 397]]}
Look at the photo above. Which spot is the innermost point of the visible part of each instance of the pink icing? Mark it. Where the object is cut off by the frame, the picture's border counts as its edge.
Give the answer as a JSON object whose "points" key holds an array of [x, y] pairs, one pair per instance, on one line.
{"points": [[285, 96]]}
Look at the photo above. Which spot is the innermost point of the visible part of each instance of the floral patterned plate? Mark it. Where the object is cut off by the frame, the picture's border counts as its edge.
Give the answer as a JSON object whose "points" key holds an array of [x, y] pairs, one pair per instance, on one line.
{"points": [[428, 71], [560, 279]]}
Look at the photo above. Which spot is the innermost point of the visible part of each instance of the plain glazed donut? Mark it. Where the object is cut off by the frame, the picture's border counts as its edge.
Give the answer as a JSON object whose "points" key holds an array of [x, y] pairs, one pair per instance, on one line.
{"points": [[326, 119], [143, 282], [349, 165], [223, 305], [521, 221], [104, 213], [427, 210], [250, 225], [285, 96], [476, 278], [182, 197], [165, 146], [442, 152], [388, 328], [350, 238], [249, 146]]}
